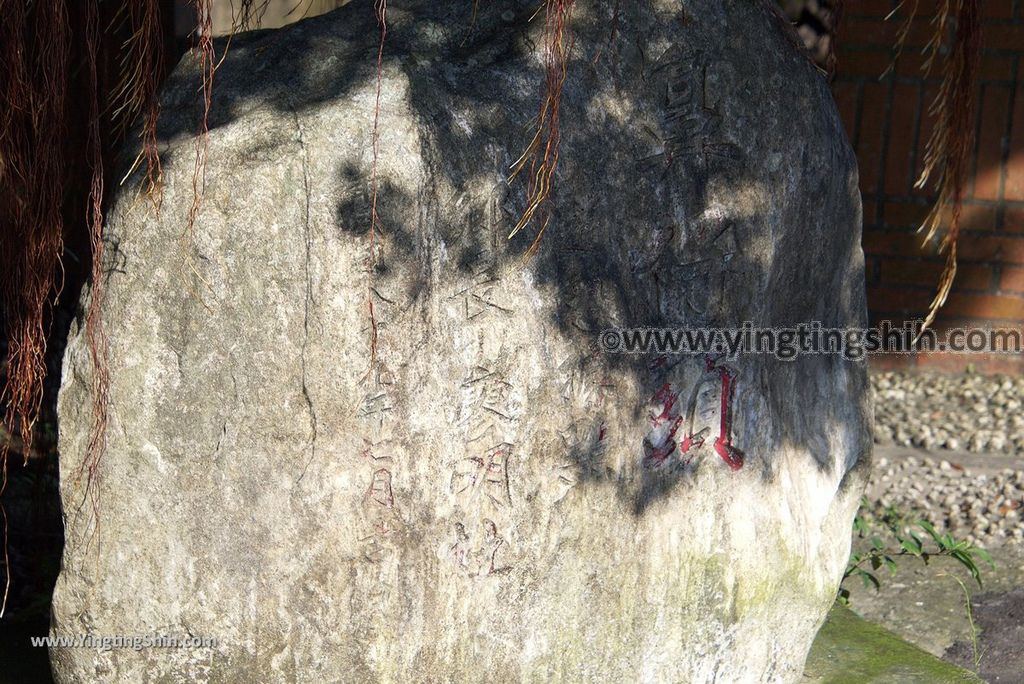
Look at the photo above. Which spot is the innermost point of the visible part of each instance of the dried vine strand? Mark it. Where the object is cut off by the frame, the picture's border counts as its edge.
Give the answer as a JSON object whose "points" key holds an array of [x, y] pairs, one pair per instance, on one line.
{"points": [[948, 150], [249, 15], [135, 94], [96, 339], [33, 177], [203, 51], [541, 154]]}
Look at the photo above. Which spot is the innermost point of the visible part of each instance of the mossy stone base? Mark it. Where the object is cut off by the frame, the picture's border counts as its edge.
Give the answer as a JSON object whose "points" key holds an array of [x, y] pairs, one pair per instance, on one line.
{"points": [[851, 650]]}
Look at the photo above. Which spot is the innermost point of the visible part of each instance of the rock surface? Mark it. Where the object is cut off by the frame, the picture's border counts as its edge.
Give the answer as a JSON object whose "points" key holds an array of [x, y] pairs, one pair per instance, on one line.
{"points": [[487, 500]]}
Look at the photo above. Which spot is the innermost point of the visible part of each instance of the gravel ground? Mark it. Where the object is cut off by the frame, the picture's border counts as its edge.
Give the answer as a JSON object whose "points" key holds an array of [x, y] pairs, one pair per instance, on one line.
{"points": [[978, 497], [983, 507], [969, 412], [950, 448]]}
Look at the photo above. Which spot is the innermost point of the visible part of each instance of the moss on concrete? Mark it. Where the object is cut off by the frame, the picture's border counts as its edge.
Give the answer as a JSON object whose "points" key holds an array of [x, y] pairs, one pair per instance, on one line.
{"points": [[851, 650]]}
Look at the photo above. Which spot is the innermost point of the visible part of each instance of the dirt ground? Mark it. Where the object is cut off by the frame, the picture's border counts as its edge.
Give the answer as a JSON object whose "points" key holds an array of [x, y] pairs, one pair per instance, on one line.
{"points": [[1000, 617]]}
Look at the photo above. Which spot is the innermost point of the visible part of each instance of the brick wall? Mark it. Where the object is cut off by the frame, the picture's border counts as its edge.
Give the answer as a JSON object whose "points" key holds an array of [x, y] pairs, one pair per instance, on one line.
{"points": [[887, 124]]}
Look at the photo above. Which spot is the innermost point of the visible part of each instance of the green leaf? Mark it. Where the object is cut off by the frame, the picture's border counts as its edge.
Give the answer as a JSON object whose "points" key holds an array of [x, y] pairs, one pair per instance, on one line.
{"points": [[968, 562], [930, 529], [870, 580], [984, 555], [912, 547]]}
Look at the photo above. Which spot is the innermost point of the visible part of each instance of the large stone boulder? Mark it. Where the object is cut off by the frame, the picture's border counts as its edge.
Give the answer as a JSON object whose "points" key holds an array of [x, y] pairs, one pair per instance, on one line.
{"points": [[489, 497]]}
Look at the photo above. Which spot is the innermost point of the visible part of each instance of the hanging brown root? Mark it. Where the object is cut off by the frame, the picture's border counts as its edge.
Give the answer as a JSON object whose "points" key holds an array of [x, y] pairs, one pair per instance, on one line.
{"points": [[96, 340], [203, 51], [140, 72], [249, 15], [542, 153], [34, 40], [14, 445], [34, 49], [948, 151], [69, 97]]}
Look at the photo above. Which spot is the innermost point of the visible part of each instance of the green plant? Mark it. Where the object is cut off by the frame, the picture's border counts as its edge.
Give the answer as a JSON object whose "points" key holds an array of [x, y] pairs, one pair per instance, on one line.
{"points": [[902, 536], [975, 651]]}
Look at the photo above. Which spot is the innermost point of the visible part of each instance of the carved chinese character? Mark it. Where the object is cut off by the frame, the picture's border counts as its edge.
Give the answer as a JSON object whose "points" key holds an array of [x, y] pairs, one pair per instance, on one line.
{"points": [[479, 554], [490, 397], [480, 479]]}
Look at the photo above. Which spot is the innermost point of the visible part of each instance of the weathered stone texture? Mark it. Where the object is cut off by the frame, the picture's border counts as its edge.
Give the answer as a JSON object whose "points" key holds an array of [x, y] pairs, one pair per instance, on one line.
{"points": [[480, 504]]}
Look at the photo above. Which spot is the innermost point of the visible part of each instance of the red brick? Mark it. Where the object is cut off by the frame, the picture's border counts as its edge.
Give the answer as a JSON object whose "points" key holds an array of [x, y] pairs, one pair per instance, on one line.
{"points": [[984, 306], [944, 323], [1012, 279], [904, 214], [893, 243], [992, 364], [1003, 36], [899, 304], [995, 107], [905, 272], [876, 9], [945, 362], [997, 9], [978, 217], [1015, 164], [989, 248], [927, 126], [911, 64], [870, 212], [1014, 189], [872, 269], [870, 63], [1013, 219], [845, 95], [923, 8], [977, 277], [898, 169], [996, 68], [890, 362], [907, 301], [985, 364], [869, 141], [860, 31]]}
